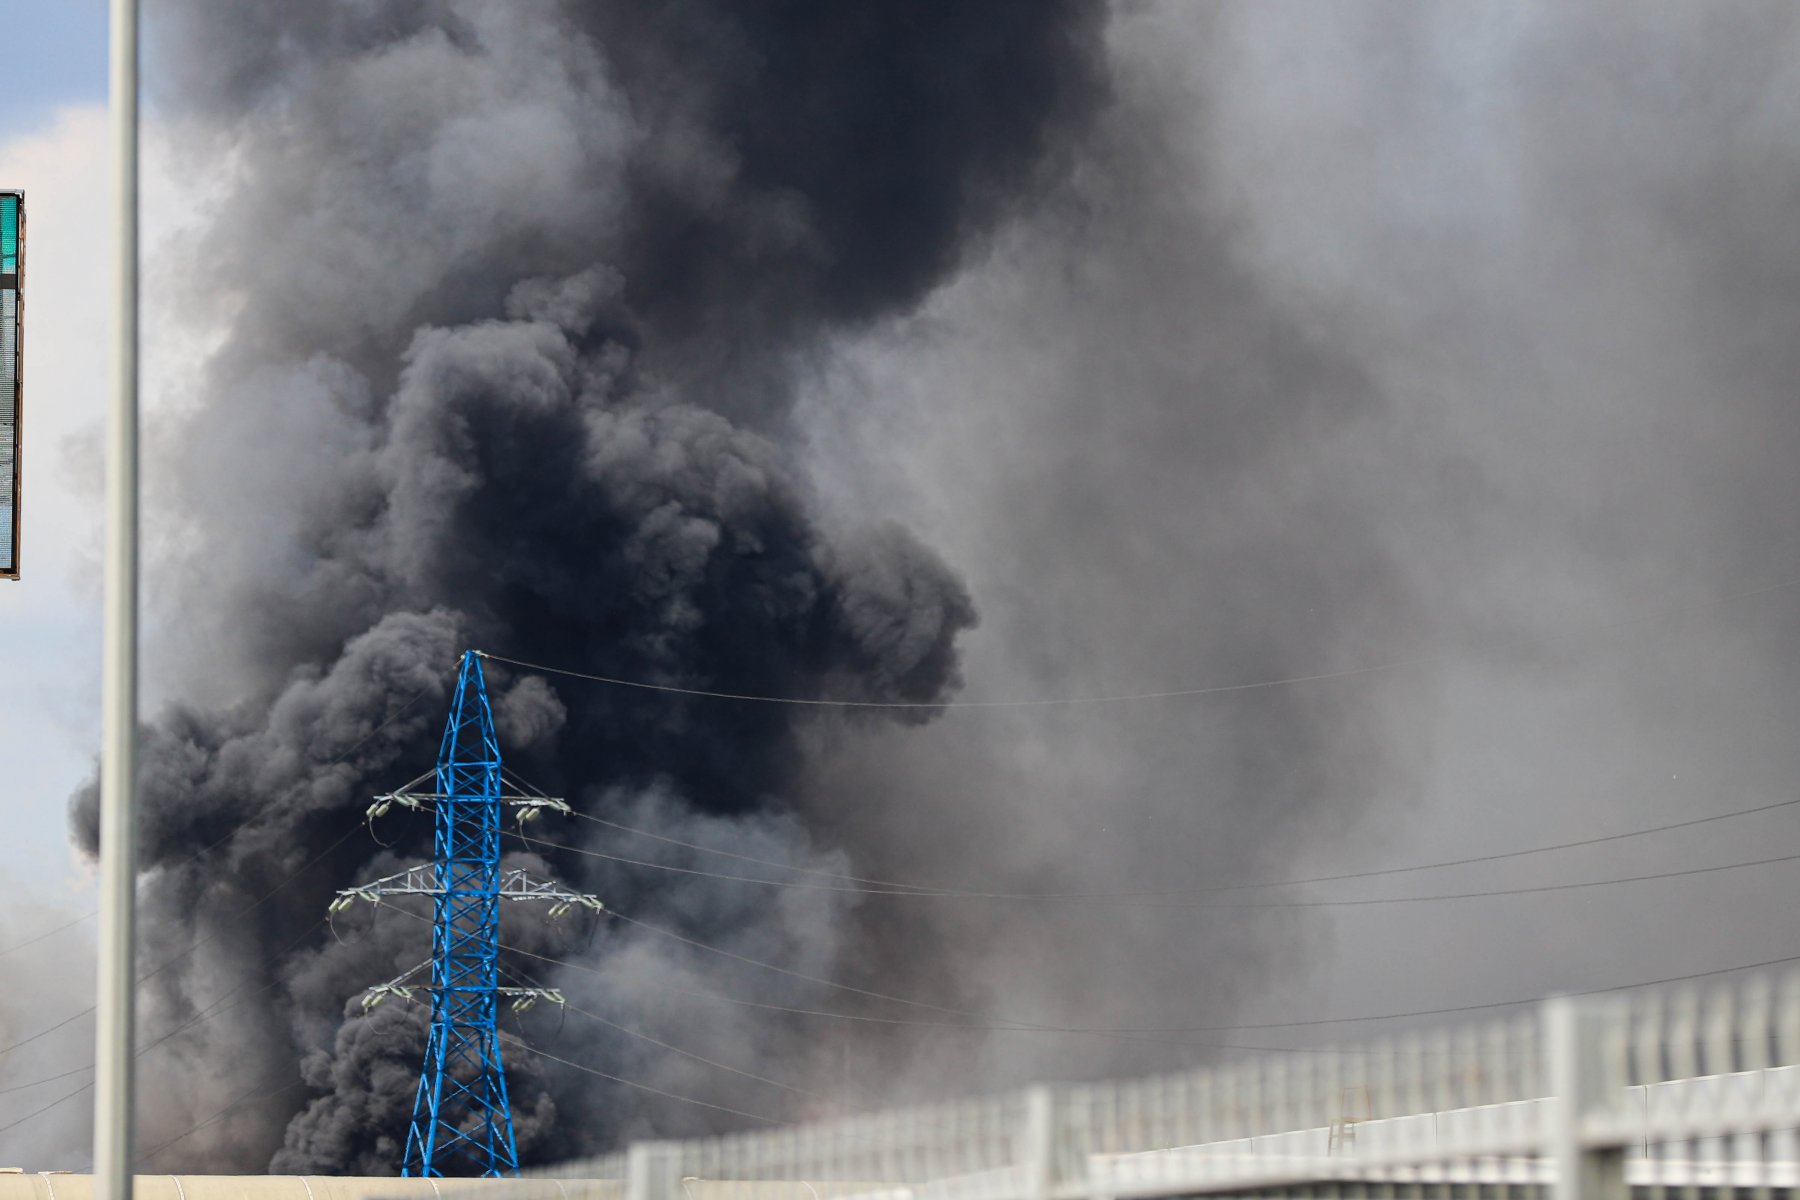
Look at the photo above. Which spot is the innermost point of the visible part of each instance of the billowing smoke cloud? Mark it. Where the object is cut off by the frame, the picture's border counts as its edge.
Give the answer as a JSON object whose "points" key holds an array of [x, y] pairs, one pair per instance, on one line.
{"points": [[1453, 337], [512, 300]]}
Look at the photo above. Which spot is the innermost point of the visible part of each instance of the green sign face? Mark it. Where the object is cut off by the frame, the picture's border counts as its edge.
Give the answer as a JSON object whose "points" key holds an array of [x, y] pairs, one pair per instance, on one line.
{"points": [[12, 361]]}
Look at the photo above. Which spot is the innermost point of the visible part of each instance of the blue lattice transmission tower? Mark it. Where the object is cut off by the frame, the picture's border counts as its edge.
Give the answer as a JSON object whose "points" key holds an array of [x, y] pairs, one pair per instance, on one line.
{"points": [[462, 1121]]}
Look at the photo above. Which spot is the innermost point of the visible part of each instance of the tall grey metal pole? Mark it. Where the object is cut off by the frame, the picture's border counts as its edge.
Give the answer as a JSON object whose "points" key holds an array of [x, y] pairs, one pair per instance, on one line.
{"points": [[113, 1054]]}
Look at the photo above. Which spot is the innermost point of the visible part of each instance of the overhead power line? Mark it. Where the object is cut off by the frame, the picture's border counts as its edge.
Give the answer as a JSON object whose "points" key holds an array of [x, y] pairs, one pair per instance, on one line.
{"points": [[897, 887], [38, 1112], [211, 1010], [236, 1103], [170, 961], [197, 855], [983, 1023], [873, 1020], [527, 979], [862, 1018], [1031, 1027], [1050, 702], [46, 1032], [644, 1087], [32, 941], [1132, 900], [193, 946], [22, 1087], [1055, 701]]}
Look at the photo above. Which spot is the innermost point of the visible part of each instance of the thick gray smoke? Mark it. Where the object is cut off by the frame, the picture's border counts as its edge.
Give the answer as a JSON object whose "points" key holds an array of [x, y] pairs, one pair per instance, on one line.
{"points": [[512, 300], [1319, 338], [1453, 336]]}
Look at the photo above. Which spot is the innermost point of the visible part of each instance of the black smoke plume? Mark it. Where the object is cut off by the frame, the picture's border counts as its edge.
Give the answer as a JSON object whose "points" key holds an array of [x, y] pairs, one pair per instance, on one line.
{"points": [[512, 301]]}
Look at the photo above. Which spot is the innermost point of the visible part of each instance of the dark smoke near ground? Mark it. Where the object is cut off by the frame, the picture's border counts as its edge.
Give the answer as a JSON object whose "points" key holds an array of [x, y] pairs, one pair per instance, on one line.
{"points": [[512, 299]]}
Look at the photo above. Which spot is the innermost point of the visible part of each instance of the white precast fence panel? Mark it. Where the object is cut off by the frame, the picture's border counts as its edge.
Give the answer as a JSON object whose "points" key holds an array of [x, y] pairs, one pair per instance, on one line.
{"points": [[1587, 1099]]}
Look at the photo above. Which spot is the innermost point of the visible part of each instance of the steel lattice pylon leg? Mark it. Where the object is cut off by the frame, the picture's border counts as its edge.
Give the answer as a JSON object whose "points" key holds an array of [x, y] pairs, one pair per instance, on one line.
{"points": [[461, 1122]]}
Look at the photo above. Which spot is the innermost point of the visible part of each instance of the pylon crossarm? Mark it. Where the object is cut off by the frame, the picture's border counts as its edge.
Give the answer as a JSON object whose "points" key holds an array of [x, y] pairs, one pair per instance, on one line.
{"points": [[525, 998], [403, 986], [528, 808], [519, 884], [421, 880], [399, 985]]}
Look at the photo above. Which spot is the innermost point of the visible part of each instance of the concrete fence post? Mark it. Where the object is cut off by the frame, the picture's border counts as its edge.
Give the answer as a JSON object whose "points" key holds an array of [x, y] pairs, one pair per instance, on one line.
{"points": [[1576, 1071], [1040, 1143], [652, 1171]]}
